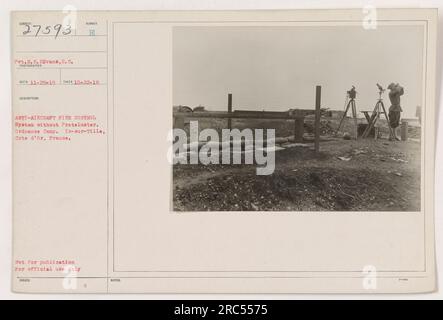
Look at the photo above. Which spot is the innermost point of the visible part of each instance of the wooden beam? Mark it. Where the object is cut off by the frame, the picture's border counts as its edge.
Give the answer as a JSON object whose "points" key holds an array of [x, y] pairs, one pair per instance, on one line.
{"points": [[404, 130], [229, 110], [304, 112], [317, 118], [240, 115], [261, 114]]}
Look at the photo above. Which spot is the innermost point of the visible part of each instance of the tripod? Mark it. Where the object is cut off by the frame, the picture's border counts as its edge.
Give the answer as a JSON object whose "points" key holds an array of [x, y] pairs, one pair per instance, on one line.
{"points": [[378, 110], [350, 104]]}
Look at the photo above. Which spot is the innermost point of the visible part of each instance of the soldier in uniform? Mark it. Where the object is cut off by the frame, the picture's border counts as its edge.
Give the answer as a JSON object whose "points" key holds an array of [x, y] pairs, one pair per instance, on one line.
{"points": [[395, 109]]}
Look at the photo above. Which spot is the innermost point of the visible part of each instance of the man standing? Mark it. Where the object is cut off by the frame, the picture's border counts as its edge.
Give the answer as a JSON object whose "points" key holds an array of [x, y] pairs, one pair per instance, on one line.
{"points": [[395, 109]]}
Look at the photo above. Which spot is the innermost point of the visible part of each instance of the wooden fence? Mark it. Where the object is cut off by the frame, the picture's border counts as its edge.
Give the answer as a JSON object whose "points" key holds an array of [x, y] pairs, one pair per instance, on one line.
{"points": [[298, 115]]}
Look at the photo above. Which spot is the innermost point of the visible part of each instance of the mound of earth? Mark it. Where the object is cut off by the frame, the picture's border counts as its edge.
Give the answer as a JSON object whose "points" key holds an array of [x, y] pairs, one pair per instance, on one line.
{"points": [[304, 189]]}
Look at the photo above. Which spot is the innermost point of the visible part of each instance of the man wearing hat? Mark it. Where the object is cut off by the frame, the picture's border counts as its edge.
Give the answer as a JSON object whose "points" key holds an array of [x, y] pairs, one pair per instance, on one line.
{"points": [[395, 109]]}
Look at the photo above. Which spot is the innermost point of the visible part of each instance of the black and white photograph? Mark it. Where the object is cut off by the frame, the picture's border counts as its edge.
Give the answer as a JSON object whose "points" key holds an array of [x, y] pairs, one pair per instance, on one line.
{"points": [[221, 152], [298, 118]]}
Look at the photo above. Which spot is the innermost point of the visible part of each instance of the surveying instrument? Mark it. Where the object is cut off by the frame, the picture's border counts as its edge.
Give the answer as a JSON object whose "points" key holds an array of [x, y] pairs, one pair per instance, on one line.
{"points": [[378, 110], [350, 104]]}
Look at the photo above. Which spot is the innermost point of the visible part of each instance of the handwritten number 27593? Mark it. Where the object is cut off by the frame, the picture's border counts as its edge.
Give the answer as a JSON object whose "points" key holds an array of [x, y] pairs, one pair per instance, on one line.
{"points": [[55, 29]]}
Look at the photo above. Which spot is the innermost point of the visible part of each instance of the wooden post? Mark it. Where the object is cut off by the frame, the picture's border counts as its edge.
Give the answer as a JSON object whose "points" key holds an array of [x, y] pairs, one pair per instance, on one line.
{"points": [[229, 110], [299, 124], [317, 118], [354, 115], [404, 131], [179, 122]]}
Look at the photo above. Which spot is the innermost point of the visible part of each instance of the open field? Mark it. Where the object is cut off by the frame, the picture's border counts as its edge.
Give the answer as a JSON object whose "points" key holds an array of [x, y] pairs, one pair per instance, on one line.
{"points": [[362, 175]]}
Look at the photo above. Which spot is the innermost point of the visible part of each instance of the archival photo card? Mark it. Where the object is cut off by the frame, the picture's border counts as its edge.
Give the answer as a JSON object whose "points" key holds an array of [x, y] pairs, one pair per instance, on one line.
{"points": [[224, 151], [248, 136]]}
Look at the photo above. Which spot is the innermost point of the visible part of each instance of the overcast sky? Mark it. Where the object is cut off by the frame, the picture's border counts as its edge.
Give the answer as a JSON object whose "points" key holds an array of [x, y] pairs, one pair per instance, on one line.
{"points": [[276, 68]]}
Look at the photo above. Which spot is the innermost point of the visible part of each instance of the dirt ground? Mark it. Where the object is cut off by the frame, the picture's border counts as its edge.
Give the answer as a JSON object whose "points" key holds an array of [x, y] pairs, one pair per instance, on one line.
{"points": [[371, 175], [360, 175]]}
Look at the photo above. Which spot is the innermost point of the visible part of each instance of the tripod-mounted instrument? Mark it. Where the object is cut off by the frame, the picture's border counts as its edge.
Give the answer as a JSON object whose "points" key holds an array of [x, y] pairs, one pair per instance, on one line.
{"points": [[379, 109], [350, 104]]}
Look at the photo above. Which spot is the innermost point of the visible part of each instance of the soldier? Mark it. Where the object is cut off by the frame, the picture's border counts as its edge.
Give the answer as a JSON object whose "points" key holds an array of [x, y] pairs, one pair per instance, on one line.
{"points": [[395, 109]]}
